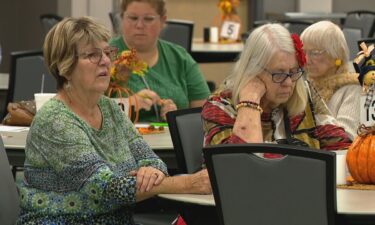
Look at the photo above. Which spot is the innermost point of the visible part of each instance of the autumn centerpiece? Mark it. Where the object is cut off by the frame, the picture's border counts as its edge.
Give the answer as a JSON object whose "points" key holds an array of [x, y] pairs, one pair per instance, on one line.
{"points": [[361, 154], [126, 64], [230, 24]]}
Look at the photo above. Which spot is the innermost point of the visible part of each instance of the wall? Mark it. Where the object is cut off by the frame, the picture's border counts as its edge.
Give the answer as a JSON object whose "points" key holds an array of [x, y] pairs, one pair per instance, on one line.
{"points": [[20, 27], [350, 5]]}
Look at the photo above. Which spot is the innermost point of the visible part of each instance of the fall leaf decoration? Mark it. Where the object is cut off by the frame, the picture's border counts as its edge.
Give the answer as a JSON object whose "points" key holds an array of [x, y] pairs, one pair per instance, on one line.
{"points": [[126, 64], [228, 7]]}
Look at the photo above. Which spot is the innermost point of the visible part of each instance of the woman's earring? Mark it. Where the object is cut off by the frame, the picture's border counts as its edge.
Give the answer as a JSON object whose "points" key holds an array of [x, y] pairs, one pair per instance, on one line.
{"points": [[338, 62], [67, 86]]}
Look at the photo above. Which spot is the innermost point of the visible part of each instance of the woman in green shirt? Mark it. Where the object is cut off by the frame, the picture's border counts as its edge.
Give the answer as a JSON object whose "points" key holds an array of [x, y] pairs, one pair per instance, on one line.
{"points": [[173, 75]]}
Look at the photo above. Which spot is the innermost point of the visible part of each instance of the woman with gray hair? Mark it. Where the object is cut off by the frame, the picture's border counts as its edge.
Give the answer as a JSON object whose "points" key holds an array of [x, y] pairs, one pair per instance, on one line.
{"points": [[85, 161], [327, 69], [264, 99]]}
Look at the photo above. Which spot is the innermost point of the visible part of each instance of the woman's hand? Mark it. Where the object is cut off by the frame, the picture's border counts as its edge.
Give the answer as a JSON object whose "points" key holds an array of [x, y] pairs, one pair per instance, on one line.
{"points": [[167, 105], [254, 90], [145, 99], [147, 178]]}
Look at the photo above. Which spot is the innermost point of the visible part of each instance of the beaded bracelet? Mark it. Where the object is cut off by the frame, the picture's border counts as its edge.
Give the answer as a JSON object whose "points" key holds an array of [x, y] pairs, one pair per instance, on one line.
{"points": [[249, 104]]}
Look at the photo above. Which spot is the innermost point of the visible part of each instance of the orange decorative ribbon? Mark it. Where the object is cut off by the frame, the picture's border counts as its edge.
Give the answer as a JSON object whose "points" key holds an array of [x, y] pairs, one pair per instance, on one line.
{"points": [[126, 63]]}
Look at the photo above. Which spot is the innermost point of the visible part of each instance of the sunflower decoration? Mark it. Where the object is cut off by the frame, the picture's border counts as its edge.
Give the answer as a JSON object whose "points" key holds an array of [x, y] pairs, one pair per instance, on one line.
{"points": [[126, 64], [228, 7]]}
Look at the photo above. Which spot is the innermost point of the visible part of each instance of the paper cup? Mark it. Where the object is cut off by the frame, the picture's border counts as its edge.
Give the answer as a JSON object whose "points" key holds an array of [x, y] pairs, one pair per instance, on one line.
{"points": [[214, 34], [341, 168], [41, 98]]}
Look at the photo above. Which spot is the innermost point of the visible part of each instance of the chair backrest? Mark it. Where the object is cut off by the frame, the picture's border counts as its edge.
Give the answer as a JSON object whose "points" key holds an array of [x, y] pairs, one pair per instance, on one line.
{"points": [[299, 188], [352, 35], [364, 20], [187, 135], [179, 32], [48, 21], [295, 26], [115, 21], [26, 75], [9, 203]]}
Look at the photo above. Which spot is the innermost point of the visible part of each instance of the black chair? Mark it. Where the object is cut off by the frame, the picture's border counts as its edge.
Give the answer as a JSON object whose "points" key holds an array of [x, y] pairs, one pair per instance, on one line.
{"points": [[187, 135], [9, 203], [115, 21], [26, 74], [299, 188], [361, 19], [48, 21], [295, 26], [352, 35], [179, 32]]}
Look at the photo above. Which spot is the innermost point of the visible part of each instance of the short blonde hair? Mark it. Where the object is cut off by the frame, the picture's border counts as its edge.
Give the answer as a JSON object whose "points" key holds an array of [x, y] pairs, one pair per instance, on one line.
{"points": [[260, 47], [61, 44], [327, 36]]}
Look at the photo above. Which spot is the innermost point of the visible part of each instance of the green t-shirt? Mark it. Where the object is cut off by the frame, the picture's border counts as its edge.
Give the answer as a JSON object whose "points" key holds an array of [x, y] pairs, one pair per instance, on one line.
{"points": [[175, 76]]}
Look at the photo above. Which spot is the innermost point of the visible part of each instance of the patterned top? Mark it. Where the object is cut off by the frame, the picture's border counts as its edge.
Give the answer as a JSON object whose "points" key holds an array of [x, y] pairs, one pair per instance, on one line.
{"points": [[307, 128], [75, 174], [175, 76], [342, 92]]}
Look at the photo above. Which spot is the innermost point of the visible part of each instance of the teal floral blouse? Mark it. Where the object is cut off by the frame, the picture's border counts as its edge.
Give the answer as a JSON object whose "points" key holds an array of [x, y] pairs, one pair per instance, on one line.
{"points": [[75, 174]]}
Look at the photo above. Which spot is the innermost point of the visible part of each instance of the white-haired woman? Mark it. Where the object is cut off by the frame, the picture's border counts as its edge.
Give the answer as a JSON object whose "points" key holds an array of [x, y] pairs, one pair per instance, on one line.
{"points": [[264, 99], [327, 69]]}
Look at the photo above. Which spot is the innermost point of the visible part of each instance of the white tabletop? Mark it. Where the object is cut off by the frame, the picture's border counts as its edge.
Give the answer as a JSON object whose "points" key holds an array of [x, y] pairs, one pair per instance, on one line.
{"points": [[17, 139], [314, 15], [199, 46], [359, 202], [4, 80]]}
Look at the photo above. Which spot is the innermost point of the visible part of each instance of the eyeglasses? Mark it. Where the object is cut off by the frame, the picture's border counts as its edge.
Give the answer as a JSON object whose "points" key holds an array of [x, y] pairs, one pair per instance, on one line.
{"points": [[96, 54], [146, 20], [280, 77], [314, 53]]}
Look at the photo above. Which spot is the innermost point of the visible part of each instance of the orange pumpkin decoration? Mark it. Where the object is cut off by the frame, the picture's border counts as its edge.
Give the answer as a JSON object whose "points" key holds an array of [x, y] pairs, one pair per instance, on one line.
{"points": [[361, 156]]}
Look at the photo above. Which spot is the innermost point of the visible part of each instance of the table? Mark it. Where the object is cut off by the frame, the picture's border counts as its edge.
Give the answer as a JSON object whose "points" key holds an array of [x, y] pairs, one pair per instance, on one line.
{"points": [[315, 16], [215, 52], [355, 205], [15, 143]]}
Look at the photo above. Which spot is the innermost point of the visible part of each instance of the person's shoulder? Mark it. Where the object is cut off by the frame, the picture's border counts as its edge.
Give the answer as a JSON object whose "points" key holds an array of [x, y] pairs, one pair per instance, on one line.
{"points": [[117, 41], [53, 112], [172, 47]]}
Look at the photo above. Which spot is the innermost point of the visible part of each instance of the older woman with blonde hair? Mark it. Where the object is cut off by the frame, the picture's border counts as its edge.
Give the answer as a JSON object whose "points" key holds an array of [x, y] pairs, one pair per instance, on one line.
{"points": [[85, 161], [265, 99], [328, 70]]}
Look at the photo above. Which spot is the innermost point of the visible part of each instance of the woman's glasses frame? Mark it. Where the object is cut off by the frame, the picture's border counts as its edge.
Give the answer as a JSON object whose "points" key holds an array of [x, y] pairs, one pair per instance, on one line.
{"points": [[280, 77], [315, 53], [96, 54]]}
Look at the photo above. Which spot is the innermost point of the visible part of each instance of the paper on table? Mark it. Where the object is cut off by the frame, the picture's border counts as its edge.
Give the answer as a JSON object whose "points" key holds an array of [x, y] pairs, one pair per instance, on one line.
{"points": [[5, 128], [156, 125]]}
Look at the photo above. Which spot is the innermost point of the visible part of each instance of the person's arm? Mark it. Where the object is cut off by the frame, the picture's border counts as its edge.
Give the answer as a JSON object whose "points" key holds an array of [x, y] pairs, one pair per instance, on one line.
{"points": [[197, 183], [346, 105], [197, 103]]}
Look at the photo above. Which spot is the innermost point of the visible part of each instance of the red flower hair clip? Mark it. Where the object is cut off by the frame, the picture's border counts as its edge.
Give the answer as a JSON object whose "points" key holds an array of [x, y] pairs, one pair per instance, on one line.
{"points": [[300, 54]]}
